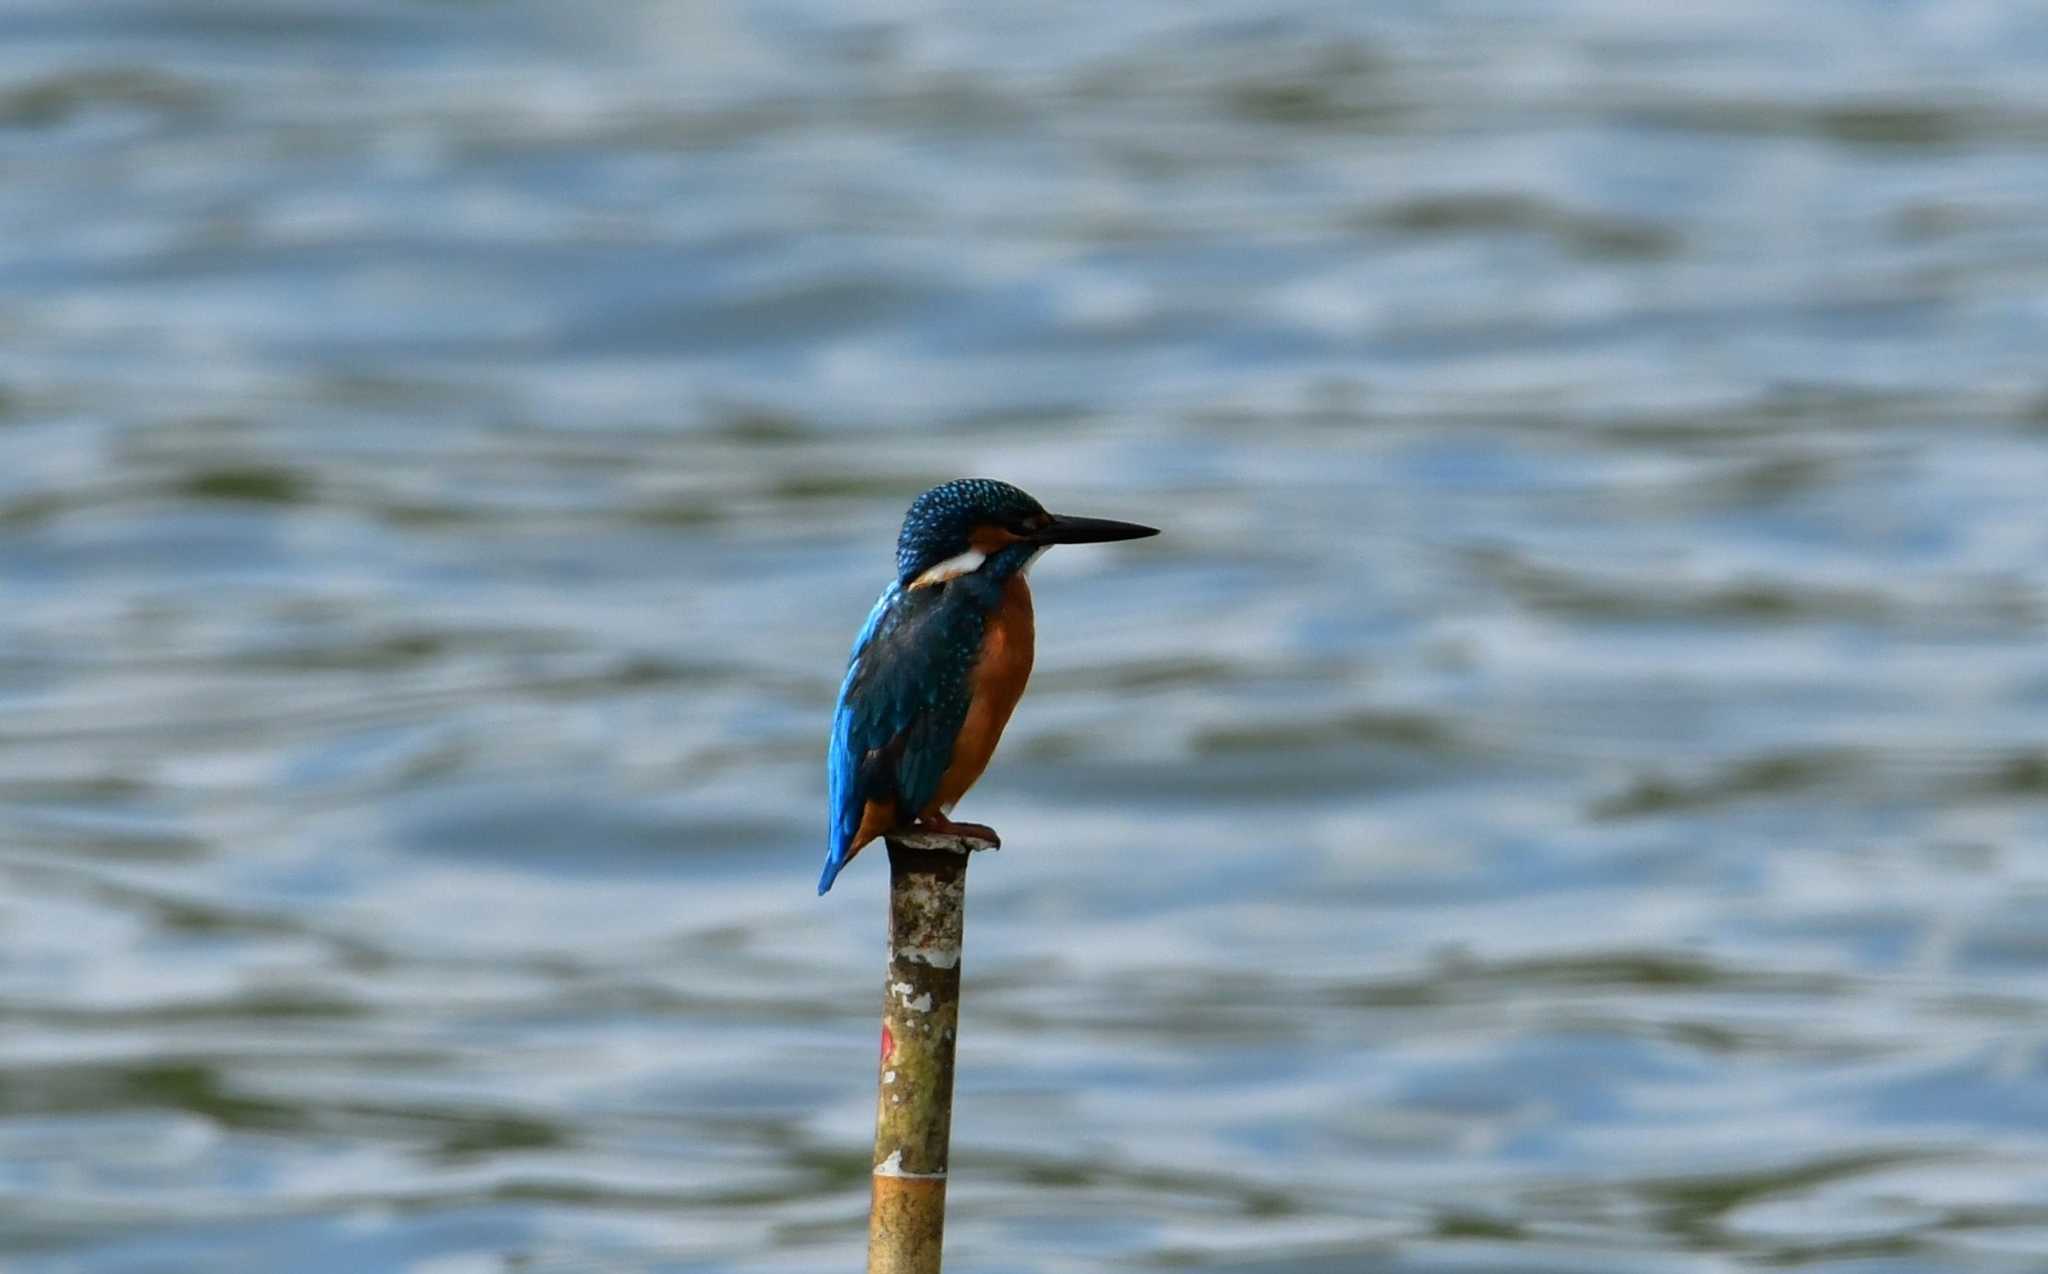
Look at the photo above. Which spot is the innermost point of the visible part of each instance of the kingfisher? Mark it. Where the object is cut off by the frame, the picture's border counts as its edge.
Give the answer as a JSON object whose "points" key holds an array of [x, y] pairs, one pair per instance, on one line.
{"points": [[941, 661]]}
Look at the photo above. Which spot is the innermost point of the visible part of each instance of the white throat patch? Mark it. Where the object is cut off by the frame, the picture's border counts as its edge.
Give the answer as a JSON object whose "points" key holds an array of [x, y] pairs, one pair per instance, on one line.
{"points": [[951, 568]]}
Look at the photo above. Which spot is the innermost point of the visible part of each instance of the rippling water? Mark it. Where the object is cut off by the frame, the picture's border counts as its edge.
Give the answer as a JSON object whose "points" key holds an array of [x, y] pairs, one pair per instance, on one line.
{"points": [[1566, 793]]}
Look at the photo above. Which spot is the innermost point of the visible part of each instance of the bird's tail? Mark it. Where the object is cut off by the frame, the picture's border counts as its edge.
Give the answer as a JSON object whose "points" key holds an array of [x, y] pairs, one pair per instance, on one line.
{"points": [[841, 843], [834, 860], [836, 857]]}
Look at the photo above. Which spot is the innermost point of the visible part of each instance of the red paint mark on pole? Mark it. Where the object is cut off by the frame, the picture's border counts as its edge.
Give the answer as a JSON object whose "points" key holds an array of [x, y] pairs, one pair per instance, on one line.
{"points": [[888, 1042]]}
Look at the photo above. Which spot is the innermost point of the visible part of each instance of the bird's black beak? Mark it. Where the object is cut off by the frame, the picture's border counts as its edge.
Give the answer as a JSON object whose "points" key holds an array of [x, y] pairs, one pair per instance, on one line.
{"points": [[1066, 530]]}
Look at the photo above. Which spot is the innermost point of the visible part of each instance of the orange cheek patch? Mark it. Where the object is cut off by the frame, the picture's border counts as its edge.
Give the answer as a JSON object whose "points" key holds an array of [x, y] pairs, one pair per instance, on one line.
{"points": [[991, 539]]}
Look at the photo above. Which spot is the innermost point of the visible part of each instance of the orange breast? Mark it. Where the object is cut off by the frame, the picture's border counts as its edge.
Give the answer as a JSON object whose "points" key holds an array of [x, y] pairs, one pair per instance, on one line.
{"points": [[1006, 650]]}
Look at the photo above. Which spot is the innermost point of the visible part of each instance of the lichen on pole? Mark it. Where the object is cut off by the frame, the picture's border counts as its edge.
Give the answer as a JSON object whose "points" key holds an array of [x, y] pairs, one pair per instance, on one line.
{"points": [[920, 1025]]}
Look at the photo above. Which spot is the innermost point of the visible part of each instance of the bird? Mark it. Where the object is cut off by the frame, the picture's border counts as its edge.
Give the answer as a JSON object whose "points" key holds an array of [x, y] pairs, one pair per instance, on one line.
{"points": [[941, 661]]}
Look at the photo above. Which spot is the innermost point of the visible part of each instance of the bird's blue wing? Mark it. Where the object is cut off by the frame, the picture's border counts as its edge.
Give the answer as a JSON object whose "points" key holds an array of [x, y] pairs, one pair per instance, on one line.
{"points": [[843, 761], [900, 709]]}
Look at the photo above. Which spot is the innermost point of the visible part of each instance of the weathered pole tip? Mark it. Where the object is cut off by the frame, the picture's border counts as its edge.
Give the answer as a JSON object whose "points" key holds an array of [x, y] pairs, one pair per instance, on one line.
{"points": [[958, 841]]}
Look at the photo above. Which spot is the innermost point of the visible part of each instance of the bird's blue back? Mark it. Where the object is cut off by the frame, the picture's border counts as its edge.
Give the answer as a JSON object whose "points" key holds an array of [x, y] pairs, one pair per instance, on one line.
{"points": [[901, 705]]}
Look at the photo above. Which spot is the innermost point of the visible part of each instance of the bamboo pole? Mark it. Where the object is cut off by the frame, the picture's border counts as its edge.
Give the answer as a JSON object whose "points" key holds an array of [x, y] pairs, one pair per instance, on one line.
{"points": [[920, 1023]]}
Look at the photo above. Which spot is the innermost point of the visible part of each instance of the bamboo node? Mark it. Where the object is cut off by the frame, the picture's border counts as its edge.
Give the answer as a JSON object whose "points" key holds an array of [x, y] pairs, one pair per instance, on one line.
{"points": [[893, 1167]]}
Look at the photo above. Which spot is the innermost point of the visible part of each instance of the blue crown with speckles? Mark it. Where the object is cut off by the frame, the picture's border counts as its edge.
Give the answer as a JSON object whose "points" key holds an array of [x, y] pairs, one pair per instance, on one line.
{"points": [[941, 520]]}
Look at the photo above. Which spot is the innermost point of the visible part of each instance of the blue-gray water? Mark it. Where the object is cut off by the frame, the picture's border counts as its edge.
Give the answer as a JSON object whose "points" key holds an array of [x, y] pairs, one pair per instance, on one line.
{"points": [[1568, 793]]}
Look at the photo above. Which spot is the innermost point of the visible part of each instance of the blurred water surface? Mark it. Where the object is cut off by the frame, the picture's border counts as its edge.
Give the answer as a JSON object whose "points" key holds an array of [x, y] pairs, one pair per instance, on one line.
{"points": [[1566, 794]]}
